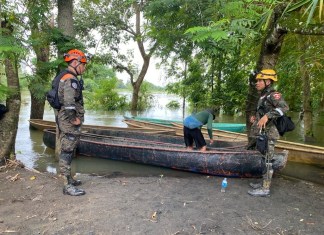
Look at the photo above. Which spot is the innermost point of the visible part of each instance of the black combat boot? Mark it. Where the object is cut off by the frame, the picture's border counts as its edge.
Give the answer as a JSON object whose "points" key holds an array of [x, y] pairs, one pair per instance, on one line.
{"points": [[256, 185], [70, 189], [260, 192], [75, 182], [265, 189]]}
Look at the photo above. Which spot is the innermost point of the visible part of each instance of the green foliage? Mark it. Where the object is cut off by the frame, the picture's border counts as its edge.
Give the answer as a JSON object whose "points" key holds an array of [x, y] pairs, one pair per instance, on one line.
{"points": [[173, 104], [290, 81], [145, 99], [100, 85], [149, 86], [103, 95], [313, 6], [10, 47]]}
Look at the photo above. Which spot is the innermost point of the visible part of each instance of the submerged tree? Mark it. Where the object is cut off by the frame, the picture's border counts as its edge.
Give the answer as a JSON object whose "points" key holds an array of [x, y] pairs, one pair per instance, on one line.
{"points": [[118, 23], [39, 25]]}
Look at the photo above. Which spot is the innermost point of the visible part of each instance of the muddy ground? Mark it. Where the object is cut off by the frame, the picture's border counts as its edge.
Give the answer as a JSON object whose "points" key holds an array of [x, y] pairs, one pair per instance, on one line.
{"points": [[33, 203]]}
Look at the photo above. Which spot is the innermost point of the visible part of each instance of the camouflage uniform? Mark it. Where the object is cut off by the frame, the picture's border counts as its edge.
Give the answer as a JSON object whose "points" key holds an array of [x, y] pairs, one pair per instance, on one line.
{"points": [[70, 96], [273, 105]]}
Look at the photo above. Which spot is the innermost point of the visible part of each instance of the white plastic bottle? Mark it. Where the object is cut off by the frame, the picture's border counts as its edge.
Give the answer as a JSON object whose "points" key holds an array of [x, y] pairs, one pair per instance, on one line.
{"points": [[224, 185]]}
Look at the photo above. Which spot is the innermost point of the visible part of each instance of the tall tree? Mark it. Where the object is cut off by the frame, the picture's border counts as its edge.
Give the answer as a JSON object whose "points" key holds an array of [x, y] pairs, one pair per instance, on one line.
{"points": [[270, 49], [38, 14], [278, 26], [307, 107], [9, 51], [65, 17], [66, 27]]}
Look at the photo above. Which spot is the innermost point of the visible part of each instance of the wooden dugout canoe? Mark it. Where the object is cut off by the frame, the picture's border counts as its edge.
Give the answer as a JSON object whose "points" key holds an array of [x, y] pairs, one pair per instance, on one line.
{"points": [[298, 152], [224, 161], [137, 133], [233, 127], [40, 124]]}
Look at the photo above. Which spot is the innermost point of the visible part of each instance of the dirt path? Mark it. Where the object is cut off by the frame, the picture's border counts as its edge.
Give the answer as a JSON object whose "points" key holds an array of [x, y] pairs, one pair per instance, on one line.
{"points": [[33, 203]]}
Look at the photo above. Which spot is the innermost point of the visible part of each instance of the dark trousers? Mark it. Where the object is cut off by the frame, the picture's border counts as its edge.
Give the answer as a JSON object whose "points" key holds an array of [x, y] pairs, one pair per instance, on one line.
{"points": [[193, 135]]}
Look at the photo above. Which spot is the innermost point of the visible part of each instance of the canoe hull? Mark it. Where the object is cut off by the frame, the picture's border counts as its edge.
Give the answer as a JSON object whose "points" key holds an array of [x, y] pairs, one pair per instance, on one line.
{"points": [[228, 163]]}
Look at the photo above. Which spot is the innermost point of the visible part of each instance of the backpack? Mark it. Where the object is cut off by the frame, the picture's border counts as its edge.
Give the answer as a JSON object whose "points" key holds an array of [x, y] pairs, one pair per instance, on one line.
{"points": [[52, 95], [284, 124]]}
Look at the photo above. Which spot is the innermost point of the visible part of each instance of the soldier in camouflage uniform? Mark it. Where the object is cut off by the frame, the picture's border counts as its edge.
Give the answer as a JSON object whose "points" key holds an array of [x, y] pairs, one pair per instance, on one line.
{"points": [[70, 117], [271, 105]]}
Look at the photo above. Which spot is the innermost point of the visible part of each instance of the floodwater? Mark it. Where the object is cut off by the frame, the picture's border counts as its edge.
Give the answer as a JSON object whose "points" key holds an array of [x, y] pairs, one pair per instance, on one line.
{"points": [[33, 153]]}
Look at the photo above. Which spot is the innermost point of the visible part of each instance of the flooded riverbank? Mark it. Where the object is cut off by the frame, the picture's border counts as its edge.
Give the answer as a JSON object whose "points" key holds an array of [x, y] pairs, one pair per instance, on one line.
{"points": [[34, 154]]}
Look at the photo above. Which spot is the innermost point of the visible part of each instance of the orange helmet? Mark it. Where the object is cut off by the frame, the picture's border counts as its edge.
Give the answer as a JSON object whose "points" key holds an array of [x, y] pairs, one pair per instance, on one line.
{"points": [[75, 54]]}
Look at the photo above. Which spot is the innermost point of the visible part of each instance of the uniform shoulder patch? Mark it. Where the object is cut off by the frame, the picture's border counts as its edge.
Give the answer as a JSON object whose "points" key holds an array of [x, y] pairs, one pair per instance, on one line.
{"points": [[74, 84], [276, 95]]}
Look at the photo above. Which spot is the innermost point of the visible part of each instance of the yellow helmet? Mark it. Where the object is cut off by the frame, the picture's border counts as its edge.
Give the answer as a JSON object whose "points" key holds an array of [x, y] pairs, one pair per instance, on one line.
{"points": [[267, 74]]}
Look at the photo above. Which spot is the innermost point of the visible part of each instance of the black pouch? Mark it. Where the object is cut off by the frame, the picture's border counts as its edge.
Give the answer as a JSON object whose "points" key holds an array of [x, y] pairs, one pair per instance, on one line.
{"points": [[262, 143], [3, 110], [284, 124]]}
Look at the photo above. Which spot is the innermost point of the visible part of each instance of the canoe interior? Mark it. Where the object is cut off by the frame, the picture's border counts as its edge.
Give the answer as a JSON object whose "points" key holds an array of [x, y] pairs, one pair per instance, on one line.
{"points": [[234, 127]]}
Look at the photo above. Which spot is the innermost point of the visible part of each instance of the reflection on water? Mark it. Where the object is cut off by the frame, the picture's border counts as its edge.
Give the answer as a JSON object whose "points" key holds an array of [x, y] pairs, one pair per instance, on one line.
{"points": [[34, 154]]}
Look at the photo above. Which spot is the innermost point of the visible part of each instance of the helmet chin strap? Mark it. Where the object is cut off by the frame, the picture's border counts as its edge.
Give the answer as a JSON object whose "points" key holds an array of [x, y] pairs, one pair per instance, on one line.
{"points": [[75, 68], [265, 84], [77, 73]]}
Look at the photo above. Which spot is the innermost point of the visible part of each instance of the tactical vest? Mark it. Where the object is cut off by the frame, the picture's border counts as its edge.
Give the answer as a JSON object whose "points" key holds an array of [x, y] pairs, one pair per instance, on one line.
{"points": [[265, 105], [52, 95]]}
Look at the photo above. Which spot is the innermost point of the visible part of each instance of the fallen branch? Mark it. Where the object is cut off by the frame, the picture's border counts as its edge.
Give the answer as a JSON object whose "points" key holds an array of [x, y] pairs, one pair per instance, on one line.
{"points": [[17, 163], [256, 226], [153, 221]]}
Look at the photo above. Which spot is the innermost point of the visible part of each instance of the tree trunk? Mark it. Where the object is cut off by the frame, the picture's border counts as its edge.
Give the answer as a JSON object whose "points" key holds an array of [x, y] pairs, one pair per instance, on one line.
{"points": [[42, 76], [37, 107], [269, 54], [137, 85], [64, 23], [135, 95], [65, 17], [139, 81], [307, 107], [9, 123], [184, 94], [146, 58]]}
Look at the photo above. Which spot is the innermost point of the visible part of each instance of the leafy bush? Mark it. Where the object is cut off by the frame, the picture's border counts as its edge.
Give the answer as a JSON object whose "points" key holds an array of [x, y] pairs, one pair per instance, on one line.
{"points": [[103, 95], [173, 104], [145, 98]]}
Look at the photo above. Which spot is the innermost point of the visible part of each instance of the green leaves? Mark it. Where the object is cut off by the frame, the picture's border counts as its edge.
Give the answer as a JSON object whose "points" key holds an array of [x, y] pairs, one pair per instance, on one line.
{"points": [[200, 34], [309, 8]]}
